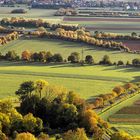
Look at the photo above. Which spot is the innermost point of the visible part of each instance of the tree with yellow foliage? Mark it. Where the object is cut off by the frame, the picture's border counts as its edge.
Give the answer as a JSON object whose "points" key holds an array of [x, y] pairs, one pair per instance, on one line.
{"points": [[40, 86], [25, 136]]}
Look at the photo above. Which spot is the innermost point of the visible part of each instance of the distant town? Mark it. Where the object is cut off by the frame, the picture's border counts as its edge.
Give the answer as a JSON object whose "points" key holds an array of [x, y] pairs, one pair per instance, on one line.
{"points": [[56, 4]]}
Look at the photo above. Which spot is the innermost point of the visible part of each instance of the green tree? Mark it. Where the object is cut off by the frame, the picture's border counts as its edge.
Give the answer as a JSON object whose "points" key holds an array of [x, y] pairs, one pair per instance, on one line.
{"points": [[32, 124], [136, 62], [49, 57], [89, 59], [106, 60], [11, 55], [57, 58], [42, 56], [26, 88], [74, 57], [134, 34]]}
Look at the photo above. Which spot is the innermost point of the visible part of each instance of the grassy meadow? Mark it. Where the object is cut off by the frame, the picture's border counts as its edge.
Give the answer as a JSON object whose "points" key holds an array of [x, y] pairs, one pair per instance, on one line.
{"points": [[88, 81], [65, 48]]}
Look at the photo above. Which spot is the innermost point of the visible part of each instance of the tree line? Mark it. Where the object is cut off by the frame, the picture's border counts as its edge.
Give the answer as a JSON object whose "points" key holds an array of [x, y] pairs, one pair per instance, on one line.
{"points": [[7, 36], [32, 23], [117, 93], [74, 57], [104, 35]]}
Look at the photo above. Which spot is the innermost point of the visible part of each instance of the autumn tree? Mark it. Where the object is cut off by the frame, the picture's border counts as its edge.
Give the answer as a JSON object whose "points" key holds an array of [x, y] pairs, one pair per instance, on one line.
{"points": [[26, 55], [121, 136], [40, 85], [32, 124], [43, 136], [78, 134], [119, 90], [25, 136]]}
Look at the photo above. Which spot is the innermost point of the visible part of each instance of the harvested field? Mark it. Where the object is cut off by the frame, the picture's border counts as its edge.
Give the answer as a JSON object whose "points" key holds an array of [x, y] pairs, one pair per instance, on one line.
{"points": [[129, 110], [107, 24], [132, 45], [112, 28], [101, 19], [128, 114], [121, 118], [137, 102]]}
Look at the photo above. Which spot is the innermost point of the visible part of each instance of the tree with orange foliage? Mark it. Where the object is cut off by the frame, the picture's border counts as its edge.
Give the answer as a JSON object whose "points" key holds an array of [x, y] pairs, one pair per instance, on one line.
{"points": [[26, 55]]}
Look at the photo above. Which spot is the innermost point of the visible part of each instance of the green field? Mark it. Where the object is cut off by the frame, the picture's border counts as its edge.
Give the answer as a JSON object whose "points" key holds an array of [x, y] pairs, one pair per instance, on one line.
{"points": [[131, 129], [33, 13], [65, 48], [88, 81]]}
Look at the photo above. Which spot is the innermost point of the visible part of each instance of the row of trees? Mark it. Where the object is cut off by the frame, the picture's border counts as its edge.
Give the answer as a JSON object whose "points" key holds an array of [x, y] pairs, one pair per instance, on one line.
{"points": [[104, 35], [80, 35], [74, 57], [105, 99], [32, 23], [9, 37]]}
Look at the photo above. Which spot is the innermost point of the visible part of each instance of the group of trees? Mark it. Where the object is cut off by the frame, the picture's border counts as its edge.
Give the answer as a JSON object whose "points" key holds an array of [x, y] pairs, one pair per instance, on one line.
{"points": [[42, 56], [67, 11], [59, 109], [32, 23], [12, 122], [8, 37], [105, 99]]}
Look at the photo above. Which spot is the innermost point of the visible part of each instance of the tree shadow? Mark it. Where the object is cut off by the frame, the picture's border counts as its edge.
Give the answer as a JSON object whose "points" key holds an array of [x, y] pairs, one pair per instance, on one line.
{"points": [[124, 68], [136, 79]]}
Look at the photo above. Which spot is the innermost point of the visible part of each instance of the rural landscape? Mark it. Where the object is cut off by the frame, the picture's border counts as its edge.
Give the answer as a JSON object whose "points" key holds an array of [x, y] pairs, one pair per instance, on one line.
{"points": [[69, 70]]}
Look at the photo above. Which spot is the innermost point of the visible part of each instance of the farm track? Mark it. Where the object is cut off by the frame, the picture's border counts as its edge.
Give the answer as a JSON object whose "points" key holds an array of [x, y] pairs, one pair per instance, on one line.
{"points": [[73, 76]]}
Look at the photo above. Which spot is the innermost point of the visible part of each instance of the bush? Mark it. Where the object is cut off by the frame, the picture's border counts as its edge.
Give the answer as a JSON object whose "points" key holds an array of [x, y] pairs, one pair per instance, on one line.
{"points": [[19, 11]]}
